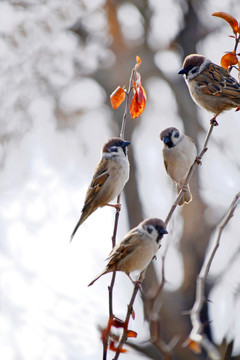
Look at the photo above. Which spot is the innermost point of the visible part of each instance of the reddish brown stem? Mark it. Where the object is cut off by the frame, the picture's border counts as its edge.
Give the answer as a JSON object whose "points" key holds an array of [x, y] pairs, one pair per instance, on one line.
{"points": [[111, 286]]}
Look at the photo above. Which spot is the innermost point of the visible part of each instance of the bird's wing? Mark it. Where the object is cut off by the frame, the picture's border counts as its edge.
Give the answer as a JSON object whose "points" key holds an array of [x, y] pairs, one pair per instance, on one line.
{"points": [[125, 247], [99, 178], [165, 164], [217, 81]]}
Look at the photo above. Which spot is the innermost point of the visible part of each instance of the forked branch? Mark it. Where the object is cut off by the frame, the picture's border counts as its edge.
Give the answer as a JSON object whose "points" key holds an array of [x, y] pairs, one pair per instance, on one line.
{"points": [[196, 334]]}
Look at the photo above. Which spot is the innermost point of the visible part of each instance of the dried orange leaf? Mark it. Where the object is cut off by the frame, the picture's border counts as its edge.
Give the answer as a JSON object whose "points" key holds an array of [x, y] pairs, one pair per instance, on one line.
{"points": [[137, 107], [118, 323], [113, 348], [131, 333], [194, 346], [141, 94], [229, 59], [229, 18], [117, 97], [138, 62]]}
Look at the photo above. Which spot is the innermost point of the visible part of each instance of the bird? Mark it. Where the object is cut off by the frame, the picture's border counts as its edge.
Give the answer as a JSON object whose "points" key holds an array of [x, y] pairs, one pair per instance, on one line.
{"points": [[210, 85], [136, 249], [179, 153], [110, 176]]}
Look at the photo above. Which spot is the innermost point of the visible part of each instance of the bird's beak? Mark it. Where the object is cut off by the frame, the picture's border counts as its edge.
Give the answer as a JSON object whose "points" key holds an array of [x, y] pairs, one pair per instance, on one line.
{"points": [[183, 72], [165, 140], [125, 143], [163, 231]]}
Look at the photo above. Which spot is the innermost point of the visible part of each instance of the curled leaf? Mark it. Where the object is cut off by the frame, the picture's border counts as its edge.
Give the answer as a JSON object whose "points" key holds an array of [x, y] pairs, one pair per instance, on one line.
{"points": [[229, 18], [118, 323], [138, 103], [138, 62], [112, 347], [131, 333], [228, 60], [139, 99], [117, 97]]}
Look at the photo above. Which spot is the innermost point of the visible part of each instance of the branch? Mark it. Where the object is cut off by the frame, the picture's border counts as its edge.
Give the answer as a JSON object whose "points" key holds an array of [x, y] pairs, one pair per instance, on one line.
{"points": [[164, 348], [191, 171], [111, 286], [123, 338], [196, 334]]}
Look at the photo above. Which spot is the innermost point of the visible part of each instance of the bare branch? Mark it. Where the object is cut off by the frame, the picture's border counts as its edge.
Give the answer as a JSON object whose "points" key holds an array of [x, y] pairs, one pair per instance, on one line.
{"points": [[111, 286], [164, 348], [196, 333], [191, 171]]}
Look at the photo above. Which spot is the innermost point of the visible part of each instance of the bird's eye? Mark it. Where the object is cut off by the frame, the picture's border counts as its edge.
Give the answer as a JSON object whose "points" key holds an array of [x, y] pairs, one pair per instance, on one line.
{"points": [[176, 135], [113, 149], [194, 70], [149, 229]]}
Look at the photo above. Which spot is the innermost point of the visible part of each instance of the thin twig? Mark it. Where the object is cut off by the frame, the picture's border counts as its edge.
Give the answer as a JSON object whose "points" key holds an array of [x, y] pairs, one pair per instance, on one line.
{"points": [[127, 105], [236, 43], [190, 173], [165, 348], [117, 214], [123, 337], [196, 333]]}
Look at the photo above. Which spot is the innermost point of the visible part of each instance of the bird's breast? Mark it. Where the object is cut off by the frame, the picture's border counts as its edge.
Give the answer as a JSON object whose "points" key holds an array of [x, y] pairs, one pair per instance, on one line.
{"points": [[139, 258]]}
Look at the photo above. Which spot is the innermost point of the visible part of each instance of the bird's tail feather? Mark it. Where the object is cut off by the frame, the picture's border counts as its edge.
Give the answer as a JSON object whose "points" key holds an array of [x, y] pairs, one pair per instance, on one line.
{"points": [[105, 271], [86, 212], [187, 195]]}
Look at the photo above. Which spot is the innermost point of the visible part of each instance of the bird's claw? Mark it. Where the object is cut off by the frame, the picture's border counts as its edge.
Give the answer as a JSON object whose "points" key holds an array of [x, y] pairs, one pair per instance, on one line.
{"points": [[184, 188], [198, 160], [116, 206], [213, 121]]}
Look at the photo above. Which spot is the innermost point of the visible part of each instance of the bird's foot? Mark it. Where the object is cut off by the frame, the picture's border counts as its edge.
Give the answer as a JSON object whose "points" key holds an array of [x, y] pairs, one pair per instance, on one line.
{"points": [[198, 160], [213, 121], [116, 206], [137, 282], [184, 188]]}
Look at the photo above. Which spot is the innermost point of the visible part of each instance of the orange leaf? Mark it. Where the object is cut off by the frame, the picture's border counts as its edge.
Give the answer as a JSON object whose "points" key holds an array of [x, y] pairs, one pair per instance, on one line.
{"points": [[193, 345], [113, 348], [118, 323], [117, 97], [138, 103], [229, 18], [138, 62], [229, 59], [131, 333]]}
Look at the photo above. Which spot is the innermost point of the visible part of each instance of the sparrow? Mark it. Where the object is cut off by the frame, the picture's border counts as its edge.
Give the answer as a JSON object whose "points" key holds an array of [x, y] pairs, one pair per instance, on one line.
{"points": [[179, 153], [210, 85], [137, 248], [109, 178]]}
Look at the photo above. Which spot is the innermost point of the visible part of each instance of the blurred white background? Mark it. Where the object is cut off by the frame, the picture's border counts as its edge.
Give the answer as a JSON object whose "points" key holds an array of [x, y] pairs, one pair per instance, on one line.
{"points": [[54, 118]]}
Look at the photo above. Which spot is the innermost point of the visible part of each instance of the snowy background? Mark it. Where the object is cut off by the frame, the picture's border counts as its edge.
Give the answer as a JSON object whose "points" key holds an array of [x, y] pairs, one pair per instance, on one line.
{"points": [[52, 127]]}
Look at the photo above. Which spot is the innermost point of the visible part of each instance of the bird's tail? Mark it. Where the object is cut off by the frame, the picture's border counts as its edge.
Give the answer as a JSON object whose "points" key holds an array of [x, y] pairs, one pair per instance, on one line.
{"points": [[105, 271], [187, 195], [86, 212]]}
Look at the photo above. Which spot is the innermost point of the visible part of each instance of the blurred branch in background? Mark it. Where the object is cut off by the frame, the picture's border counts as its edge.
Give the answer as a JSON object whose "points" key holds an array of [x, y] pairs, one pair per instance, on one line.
{"points": [[197, 336]]}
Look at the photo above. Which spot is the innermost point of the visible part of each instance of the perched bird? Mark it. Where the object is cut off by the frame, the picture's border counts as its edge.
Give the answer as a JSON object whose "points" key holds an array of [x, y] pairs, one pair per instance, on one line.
{"points": [[179, 153], [109, 178], [210, 85], [137, 248]]}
